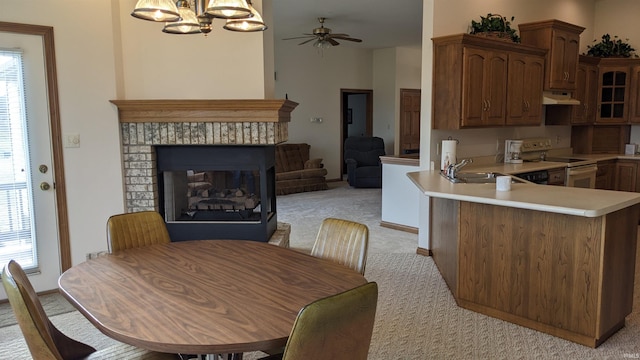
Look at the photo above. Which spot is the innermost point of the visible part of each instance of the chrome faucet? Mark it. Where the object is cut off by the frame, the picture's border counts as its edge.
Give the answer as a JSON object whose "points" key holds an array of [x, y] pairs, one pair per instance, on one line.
{"points": [[452, 170]]}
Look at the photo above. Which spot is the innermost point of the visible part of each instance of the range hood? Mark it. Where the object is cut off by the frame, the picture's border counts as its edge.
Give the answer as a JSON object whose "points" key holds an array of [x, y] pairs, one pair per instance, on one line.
{"points": [[558, 98]]}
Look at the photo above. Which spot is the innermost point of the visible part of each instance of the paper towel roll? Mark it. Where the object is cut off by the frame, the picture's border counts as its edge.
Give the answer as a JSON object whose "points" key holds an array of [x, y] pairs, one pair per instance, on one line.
{"points": [[448, 153]]}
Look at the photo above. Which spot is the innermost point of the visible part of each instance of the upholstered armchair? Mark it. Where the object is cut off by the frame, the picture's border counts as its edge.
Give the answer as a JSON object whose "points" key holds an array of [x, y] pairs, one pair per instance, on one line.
{"points": [[362, 156]]}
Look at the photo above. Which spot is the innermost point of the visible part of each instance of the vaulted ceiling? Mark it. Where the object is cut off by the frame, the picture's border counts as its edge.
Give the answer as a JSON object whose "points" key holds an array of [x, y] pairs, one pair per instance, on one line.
{"points": [[379, 23]]}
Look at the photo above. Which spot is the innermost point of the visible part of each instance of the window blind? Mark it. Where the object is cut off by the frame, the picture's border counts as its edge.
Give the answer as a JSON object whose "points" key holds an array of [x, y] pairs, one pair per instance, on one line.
{"points": [[17, 238]]}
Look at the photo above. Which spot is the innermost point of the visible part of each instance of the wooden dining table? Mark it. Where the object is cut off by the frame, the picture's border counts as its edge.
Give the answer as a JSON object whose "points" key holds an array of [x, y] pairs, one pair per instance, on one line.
{"points": [[204, 296]]}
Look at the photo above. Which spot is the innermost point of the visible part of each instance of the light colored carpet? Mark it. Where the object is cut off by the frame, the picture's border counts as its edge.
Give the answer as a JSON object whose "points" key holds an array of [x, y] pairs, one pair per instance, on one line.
{"points": [[416, 318]]}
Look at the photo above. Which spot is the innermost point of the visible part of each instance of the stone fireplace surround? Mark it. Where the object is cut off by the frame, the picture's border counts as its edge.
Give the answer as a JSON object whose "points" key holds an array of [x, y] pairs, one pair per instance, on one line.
{"points": [[145, 124]]}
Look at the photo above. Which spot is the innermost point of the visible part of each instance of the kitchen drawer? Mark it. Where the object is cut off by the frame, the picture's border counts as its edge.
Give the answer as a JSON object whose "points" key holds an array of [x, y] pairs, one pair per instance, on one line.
{"points": [[557, 176]]}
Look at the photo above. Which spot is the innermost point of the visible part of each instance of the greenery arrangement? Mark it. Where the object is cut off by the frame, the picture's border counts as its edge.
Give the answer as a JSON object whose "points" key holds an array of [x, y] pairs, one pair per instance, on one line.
{"points": [[494, 25], [608, 47]]}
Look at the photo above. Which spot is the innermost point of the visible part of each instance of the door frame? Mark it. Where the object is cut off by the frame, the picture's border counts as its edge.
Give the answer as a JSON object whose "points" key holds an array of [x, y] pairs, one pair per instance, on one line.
{"points": [[344, 105], [59, 185]]}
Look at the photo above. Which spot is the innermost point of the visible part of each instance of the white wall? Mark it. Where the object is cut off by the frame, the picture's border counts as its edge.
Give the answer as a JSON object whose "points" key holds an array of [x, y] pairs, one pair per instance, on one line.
{"points": [[384, 99], [314, 80], [222, 65]]}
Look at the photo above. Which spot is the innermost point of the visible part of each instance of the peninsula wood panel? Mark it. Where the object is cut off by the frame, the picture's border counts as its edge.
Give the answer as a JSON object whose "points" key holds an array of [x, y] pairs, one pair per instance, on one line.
{"points": [[568, 276], [619, 264], [531, 271], [444, 234]]}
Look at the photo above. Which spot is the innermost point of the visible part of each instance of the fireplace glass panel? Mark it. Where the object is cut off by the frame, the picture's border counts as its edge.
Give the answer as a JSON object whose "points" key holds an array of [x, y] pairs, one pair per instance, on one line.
{"points": [[212, 195]]}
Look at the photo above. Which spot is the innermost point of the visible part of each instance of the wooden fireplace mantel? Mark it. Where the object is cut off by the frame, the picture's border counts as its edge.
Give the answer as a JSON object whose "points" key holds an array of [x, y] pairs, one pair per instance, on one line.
{"points": [[158, 111]]}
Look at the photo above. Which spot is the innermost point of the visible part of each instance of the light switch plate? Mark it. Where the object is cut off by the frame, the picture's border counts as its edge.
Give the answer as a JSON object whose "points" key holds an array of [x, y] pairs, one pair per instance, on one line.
{"points": [[72, 140]]}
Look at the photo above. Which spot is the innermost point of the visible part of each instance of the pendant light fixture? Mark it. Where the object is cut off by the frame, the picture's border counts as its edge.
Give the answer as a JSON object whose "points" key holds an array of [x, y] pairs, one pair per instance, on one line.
{"points": [[188, 23], [196, 16], [251, 24], [156, 10], [228, 9]]}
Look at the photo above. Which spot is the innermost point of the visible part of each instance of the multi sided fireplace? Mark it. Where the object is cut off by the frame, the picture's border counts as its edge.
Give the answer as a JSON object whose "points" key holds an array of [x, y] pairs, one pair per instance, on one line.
{"points": [[216, 149], [217, 192]]}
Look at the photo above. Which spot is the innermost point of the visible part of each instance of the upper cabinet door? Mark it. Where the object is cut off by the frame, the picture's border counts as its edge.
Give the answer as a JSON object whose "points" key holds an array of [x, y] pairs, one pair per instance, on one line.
{"points": [[634, 102], [484, 85], [562, 41], [613, 95], [524, 98], [563, 64]]}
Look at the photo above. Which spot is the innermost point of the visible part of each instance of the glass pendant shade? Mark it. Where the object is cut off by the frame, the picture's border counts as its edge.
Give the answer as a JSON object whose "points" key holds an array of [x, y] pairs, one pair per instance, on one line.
{"points": [[322, 44], [254, 23], [156, 10], [188, 23], [228, 9]]}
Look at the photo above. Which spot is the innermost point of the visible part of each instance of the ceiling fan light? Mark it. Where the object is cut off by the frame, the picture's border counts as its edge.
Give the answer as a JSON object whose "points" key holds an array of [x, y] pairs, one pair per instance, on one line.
{"points": [[229, 9], [321, 44], [251, 24], [156, 10], [187, 25]]}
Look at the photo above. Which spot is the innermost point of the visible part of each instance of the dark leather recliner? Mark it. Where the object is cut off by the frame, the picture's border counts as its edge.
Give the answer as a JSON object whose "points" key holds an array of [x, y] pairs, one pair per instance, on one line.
{"points": [[362, 156]]}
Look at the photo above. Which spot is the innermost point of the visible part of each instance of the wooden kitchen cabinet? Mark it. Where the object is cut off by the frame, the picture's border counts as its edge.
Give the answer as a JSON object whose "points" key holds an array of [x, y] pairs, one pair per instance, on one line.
{"points": [[586, 91], [600, 139], [524, 103], [626, 175], [613, 92], [605, 176], [471, 78], [634, 93], [562, 40]]}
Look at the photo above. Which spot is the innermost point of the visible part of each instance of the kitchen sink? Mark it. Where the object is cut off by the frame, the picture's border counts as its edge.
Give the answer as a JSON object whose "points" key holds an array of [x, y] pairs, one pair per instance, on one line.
{"points": [[479, 178]]}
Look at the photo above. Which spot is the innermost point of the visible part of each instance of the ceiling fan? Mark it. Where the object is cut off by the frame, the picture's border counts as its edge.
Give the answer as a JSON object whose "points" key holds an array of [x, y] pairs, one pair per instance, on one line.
{"points": [[323, 36]]}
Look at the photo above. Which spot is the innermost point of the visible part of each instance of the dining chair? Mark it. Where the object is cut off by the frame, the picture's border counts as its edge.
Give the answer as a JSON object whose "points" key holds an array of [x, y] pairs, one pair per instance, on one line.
{"points": [[43, 339], [344, 242], [137, 229], [338, 327]]}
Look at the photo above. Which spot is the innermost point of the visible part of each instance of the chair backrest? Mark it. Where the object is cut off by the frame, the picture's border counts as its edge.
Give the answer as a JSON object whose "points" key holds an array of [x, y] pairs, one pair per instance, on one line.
{"points": [[133, 230], [366, 150], [344, 242], [336, 327], [44, 340]]}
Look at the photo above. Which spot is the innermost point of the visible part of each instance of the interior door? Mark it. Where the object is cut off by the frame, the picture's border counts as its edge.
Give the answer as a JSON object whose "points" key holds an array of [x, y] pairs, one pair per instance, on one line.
{"points": [[38, 167], [409, 121]]}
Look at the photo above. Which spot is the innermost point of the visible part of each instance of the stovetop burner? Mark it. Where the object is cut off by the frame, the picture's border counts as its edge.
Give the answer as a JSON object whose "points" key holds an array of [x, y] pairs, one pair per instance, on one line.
{"points": [[563, 159]]}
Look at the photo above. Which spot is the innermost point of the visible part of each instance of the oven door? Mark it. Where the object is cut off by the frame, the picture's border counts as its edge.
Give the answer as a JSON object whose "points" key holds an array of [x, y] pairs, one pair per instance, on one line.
{"points": [[582, 176]]}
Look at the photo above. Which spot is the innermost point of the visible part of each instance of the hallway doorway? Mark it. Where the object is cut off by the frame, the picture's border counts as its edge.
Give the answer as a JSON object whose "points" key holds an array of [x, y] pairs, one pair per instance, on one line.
{"points": [[356, 117]]}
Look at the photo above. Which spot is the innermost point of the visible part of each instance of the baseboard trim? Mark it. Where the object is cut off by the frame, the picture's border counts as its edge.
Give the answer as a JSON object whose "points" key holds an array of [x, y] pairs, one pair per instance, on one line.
{"points": [[390, 225], [424, 252]]}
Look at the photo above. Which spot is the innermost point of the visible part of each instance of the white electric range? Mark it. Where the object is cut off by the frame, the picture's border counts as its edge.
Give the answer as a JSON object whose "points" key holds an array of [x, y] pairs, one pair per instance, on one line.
{"points": [[579, 172]]}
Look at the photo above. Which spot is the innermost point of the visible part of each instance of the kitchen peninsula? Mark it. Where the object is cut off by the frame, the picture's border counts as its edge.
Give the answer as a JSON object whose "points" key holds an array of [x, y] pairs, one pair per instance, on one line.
{"points": [[555, 259]]}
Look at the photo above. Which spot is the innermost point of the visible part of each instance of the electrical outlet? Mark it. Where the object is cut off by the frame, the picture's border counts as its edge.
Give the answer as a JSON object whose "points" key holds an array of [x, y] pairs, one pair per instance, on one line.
{"points": [[437, 148]]}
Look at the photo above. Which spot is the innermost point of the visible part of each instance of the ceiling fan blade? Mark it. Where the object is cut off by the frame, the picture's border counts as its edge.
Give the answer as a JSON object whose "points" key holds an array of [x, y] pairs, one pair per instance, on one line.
{"points": [[347, 38], [306, 41], [299, 37], [332, 42]]}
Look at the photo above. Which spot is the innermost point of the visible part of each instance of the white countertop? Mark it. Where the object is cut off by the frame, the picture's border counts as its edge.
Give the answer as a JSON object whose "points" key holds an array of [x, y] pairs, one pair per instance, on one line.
{"points": [[556, 199]]}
